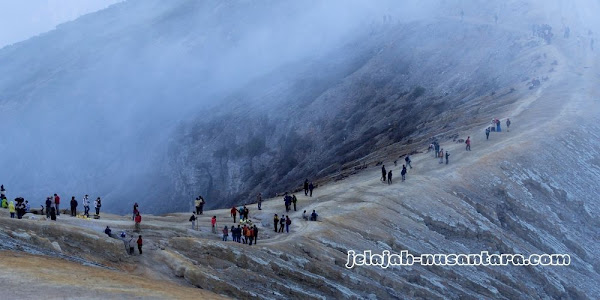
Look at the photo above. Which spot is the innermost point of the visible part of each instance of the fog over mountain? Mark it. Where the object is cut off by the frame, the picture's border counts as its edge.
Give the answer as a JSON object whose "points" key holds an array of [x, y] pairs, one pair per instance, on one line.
{"points": [[159, 102]]}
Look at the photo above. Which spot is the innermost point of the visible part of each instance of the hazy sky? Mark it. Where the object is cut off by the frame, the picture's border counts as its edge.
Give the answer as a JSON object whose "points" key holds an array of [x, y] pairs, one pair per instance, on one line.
{"points": [[22, 19]]}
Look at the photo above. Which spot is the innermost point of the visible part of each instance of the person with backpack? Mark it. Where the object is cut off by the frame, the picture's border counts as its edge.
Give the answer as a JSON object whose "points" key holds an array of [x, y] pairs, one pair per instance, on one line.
{"points": [[311, 187], [275, 222], [86, 206], [389, 177], [213, 222], [383, 173], [197, 205], [487, 133], [468, 142], [48, 205], [294, 200], [57, 204], [97, 205], [73, 207], [225, 233], [441, 155], [403, 173], [408, 161], [140, 243], [11, 209], [288, 222], [447, 155], [193, 220], [259, 201], [233, 212], [281, 223], [313, 216], [507, 124], [138, 221], [306, 187]]}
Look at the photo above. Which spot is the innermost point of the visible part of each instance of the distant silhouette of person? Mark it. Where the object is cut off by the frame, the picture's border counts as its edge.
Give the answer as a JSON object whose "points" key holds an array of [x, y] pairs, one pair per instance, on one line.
{"points": [[383, 173], [389, 177]]}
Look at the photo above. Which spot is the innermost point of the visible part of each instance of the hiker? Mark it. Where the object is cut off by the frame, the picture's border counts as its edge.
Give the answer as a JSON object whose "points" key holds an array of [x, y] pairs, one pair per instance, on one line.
{"points": [[20, 207], [447, 154], [108, 231], [140, 243], [383, 173], [241, 212], [193, 220], [437, 149], [213, 222], [313, 216], [73, 207], [305, 217], [288, 222], [311, 187], [202, 202], [197, 205], [135, 211], [246, 212], [57, 204], [407, 160], [255, 234], [225, 233], [11, 209], [487, 133], [52, 212], [259, 201], [232, 231], [403, 173], [238, 234], [281, 223], [498, 129], [86, 206], [430, 148], [138, 220], [130, 249], [27, 206], [395, 163], [275, 222], [507, 124], [306, 187], [441, 155], [233, 212], [4, 203], [245, 235], [250, 232], [468, 142], [294, 200], [97, 205], [389, 177], [286, 202]]}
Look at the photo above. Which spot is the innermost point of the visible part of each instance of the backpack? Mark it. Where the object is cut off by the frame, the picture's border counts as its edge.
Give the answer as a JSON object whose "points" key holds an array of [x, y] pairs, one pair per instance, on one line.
{"points": [[99, 203], [288, 221]]}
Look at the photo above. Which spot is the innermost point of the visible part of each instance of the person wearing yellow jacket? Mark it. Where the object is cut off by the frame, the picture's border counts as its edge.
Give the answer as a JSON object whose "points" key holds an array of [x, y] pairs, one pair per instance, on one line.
{"points": [[11, 209]]}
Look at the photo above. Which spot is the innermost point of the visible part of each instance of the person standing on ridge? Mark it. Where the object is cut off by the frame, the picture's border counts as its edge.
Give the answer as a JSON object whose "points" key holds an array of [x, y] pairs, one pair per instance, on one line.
{"points": [[389, 178], [225, 233], [259, 201], [48, 205], [487, 133], [468, 142], [436, 145], [135, 210], [255, 230], [294, 200], [281, 223], [275, 222], [311, 187], [233, 212], [306, 187], [201, 204], [507, 124], [97, 205], [138, 221], [197, 205], [193, 220], [407, 160], [86, 206], [57, 204], [383, 173], [11, 209], [73, 207], [213, 222], [441, 155], [403, 173], [447, 154], [288, 222], [246, 212], [140, 243]]}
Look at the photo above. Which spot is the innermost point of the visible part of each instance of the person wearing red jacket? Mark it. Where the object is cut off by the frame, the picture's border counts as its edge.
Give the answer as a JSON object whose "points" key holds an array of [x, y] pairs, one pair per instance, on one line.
{"points": [[140, 242], [138, 220], [468, 142], [233, 213], [56, 204], [213, 221]]}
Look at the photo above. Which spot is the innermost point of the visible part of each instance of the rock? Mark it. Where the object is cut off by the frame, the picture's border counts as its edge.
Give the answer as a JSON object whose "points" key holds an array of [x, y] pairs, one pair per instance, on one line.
{"points": [[56, 246]]}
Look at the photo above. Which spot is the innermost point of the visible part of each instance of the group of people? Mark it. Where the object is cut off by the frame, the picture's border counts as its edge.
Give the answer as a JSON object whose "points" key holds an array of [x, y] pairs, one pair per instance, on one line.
{"points": [[128, 245], [52, 207], [283, 221], [495, 126], [386, 176], [313, 216], [246, 234], [199, 204], [308, 188], [438, 152], [289, 200]]}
